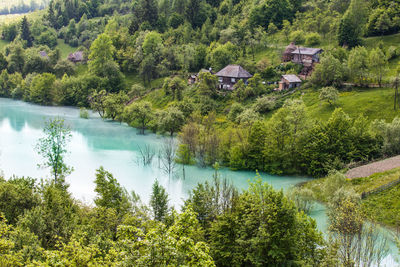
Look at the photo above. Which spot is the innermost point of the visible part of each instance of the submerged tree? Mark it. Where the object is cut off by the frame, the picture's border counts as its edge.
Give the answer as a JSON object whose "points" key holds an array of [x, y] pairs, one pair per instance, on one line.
{"points": [[167, 156], [53, 148], [360, 244]]}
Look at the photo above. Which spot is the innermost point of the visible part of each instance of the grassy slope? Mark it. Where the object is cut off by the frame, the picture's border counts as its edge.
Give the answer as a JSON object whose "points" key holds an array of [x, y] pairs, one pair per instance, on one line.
{"points": [[65, 49], [383, 207], [374, 103]]}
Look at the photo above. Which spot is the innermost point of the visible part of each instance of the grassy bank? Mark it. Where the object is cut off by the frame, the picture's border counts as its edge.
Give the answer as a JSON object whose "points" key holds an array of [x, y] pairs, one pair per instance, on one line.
{"points": [[382, 208]]}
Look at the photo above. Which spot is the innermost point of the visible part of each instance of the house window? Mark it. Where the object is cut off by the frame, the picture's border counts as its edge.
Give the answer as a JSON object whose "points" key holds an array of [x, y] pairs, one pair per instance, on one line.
{"points": [[220, 79], [233, 80]]}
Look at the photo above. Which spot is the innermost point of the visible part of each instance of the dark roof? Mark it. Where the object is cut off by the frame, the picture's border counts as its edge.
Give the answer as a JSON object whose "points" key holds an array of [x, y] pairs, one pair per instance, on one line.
{"points": [[43, 54], [234, 71], [307, 51], [77, 56], [291, 78]]}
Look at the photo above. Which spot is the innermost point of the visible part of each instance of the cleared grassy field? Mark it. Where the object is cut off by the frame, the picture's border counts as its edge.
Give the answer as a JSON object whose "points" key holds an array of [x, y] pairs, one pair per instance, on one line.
{"points": [[374, 103], [65, 49]]}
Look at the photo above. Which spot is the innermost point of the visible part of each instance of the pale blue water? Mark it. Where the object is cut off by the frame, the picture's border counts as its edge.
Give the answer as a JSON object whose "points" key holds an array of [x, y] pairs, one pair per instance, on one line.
{"points": [[112, 145]]}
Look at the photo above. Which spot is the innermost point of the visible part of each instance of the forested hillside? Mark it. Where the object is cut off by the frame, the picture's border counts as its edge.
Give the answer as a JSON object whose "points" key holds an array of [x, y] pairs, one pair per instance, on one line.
{"points": [[154, 64], [135, 58]]}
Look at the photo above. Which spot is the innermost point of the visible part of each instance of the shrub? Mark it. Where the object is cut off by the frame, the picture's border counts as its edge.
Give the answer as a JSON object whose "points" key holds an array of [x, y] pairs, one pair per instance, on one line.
{"points": [[297, 37], [84, 113], [313, 38], [264, 104]]}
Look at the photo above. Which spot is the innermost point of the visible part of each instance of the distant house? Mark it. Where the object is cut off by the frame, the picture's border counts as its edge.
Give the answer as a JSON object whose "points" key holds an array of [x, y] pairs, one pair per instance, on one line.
{"points": [[43, 54], [193, 78], [289, 81], [230, 75], [306, 56], [76, 57]]}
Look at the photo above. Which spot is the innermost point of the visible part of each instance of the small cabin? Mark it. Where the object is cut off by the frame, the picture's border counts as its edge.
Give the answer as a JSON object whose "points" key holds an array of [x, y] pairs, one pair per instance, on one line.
{"points": [[76, 57], [289, 81], [193, 78], [230, 75], [306, 56], [43, 54]]}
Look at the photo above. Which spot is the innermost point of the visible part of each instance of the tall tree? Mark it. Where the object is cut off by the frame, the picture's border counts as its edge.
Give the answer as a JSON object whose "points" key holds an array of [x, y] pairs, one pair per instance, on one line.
{"points": [[352, 24], [26, 32], [159, 202], [53, 148], [101, 53], [146, 10]]}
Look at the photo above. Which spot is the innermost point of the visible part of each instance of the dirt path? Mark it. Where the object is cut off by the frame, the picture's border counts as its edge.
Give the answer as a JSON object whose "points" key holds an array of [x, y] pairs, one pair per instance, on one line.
{"points": [[369, 169]]}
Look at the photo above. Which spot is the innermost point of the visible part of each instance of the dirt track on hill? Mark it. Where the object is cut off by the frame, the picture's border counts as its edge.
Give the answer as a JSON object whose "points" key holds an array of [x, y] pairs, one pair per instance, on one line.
{"points": [[375, 167]]}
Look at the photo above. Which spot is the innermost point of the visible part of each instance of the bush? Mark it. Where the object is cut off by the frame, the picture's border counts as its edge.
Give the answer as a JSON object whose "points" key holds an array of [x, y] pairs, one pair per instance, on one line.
{"points": [[264, 104], [235, 110], [297, 37], [313, 38], [392, 52], [84, 113]]}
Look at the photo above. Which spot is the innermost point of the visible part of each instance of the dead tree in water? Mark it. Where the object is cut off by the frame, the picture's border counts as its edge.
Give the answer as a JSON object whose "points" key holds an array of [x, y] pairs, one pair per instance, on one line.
{"points": [[146, 155], [167, 156]]}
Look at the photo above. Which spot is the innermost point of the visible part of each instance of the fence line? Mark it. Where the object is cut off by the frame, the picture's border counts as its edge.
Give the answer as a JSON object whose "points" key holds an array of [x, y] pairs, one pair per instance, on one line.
{"points": [[380, 189]]}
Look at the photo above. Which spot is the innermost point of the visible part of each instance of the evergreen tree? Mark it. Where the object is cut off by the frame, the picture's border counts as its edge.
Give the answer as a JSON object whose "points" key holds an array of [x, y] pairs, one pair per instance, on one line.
{"points": [[51, 17], [159, 202], [26, 32], [352, 23], [146, 10]]}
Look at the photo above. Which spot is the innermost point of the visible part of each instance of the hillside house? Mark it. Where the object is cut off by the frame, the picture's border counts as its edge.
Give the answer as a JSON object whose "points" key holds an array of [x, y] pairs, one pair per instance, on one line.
{"points": [[289, 81], [193, 78], [306, 56], [230, 75], [76, 57]]}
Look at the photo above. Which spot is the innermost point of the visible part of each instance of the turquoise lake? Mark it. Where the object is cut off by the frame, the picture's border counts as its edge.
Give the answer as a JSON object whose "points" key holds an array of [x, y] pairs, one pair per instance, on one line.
{"points": [[116, 147]]}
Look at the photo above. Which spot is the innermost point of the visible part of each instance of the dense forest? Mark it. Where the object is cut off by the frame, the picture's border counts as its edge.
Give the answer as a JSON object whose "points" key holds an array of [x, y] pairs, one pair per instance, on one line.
{"points": [[130, 62]]}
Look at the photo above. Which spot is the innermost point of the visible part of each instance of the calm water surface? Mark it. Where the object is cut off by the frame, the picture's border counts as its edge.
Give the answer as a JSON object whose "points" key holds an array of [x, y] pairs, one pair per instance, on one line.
{"points": [[112, 145]]}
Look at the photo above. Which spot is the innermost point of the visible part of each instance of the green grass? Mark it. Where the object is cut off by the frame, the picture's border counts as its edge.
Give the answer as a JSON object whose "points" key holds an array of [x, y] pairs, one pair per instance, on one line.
{"points": [[383, 207], [388, 40], [65, 49], [134, 78], [374, 103], [3, 44]]}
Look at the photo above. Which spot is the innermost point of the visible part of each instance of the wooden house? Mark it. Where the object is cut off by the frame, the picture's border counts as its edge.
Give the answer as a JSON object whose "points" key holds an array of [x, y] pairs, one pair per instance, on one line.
{"points": [[230, 75], [289, 81], [306, 56], [76, 57]]}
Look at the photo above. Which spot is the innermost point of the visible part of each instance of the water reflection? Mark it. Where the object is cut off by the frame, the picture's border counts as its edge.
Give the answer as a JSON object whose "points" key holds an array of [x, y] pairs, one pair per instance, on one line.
{"points": [[97, 143]]}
